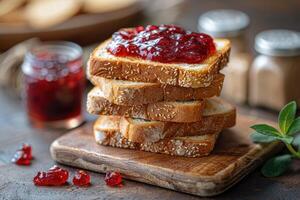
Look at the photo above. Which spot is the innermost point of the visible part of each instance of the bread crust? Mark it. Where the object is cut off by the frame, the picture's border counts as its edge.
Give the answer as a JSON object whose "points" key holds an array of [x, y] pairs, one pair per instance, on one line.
{"points": [[178, 146], [153, 131], [139, 70], [172, 111], [130, 93]]}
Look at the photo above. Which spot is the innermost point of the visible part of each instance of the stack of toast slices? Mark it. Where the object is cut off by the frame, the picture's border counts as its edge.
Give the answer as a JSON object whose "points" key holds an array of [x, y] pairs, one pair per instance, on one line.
{"points": [[169, 108]]}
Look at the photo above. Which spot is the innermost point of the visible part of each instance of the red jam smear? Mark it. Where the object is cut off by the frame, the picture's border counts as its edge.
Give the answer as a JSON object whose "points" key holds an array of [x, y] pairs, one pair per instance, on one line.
{"points": [[82, 178], [54, 87], [23, 156], [113, 179], [26, 148], [164, 43], [55, 176]]}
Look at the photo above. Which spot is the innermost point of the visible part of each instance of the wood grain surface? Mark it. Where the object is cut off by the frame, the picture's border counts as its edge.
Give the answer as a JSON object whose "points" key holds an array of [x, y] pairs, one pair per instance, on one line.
{"points": [[234, 157]]}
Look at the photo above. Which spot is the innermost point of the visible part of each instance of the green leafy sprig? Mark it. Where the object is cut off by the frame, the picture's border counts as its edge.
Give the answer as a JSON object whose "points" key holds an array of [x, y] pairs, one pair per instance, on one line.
{"points": [[289, 126]]}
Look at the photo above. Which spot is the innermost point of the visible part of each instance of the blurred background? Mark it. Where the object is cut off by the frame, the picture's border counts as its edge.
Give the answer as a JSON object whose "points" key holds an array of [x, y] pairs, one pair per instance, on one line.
{"points": [[251, 73], [93, 23]]}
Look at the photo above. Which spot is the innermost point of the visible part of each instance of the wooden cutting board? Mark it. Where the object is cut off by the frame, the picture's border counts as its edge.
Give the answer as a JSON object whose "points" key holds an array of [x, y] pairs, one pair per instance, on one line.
{"points": [[233, 158]]}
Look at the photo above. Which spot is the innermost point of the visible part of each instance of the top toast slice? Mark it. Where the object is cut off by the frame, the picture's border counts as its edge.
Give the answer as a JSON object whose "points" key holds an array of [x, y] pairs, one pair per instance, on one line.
{"points": [[104, 64]]}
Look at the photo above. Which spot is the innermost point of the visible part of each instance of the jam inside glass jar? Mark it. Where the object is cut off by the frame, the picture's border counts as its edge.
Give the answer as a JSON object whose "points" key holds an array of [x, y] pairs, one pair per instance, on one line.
{"points": [[54, 84]]}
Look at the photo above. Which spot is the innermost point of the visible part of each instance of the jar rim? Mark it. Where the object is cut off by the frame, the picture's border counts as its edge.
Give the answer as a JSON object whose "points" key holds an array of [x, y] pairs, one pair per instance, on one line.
{"points": [[223, 22], [73, 50], [278, 42]]}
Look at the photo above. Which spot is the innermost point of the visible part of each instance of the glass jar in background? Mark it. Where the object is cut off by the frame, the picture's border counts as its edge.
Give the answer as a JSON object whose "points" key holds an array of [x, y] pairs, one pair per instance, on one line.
{"points": [[54, 84], [231, 24], [275, 73]]}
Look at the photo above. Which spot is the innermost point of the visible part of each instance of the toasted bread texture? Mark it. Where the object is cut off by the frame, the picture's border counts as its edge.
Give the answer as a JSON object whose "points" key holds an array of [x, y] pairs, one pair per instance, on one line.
{"points": [[218, 115], [43, 14], [136, 93], [92, 6], [106, 132], [173, 111], [106, 65]]}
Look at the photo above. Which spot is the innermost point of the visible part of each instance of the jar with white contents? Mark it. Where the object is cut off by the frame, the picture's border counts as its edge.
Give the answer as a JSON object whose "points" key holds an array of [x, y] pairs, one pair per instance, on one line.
{"points": [[275, 72], [231, 24]]}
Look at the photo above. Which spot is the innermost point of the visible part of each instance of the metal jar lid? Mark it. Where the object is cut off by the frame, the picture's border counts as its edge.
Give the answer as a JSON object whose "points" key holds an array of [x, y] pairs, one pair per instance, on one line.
{"points": [[278, 43], [223, 22]]}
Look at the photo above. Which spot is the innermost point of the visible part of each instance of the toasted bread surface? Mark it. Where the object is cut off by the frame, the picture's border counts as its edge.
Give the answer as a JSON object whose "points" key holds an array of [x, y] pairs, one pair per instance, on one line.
{"points": [[106, 65], [174, 111], [193, 146], [43, 14], [139, 130], [94, 6], [136, 93]]}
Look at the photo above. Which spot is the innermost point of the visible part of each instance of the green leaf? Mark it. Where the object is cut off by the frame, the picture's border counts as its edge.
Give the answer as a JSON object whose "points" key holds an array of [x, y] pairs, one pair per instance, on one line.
{"points": [[277, 165], [296, 141], [265, 129], [260, 138], [286, 139], [295, 127], [287, 116]]}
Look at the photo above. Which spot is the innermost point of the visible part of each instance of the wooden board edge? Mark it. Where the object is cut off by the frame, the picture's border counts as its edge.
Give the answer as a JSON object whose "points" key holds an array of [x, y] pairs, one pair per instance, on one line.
{"points": [[191, 187], [224, 185]]}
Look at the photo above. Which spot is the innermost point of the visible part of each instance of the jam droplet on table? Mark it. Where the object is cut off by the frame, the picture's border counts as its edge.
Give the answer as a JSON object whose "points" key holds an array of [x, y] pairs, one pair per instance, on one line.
{"points": [[23, 156], [113, 179], [55, 176], [82, 178], [164, 43], [26, 148]]}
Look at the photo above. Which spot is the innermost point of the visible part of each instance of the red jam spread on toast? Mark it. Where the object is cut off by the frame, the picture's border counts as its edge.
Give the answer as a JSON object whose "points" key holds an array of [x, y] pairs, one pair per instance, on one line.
{"points": [[164, 43]]}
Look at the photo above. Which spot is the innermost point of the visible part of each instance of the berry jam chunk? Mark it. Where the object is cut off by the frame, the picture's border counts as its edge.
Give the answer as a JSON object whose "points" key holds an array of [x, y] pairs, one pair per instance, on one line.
{"points": [[53, 177], [26, 148], [113, 179], [82, 178], [164, 43], [23, 156]]}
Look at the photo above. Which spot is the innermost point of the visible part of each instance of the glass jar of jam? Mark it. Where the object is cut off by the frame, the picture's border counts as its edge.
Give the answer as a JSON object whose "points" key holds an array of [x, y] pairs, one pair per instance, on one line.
{"points": [[54, 84], [274, 73], [231, 24]]}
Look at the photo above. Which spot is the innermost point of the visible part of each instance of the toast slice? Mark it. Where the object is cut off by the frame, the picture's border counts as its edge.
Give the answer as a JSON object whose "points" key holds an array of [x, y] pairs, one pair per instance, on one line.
{"points": [[136, 93], [218, 115], [106, 132], [173, 111], [106, 65]]}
